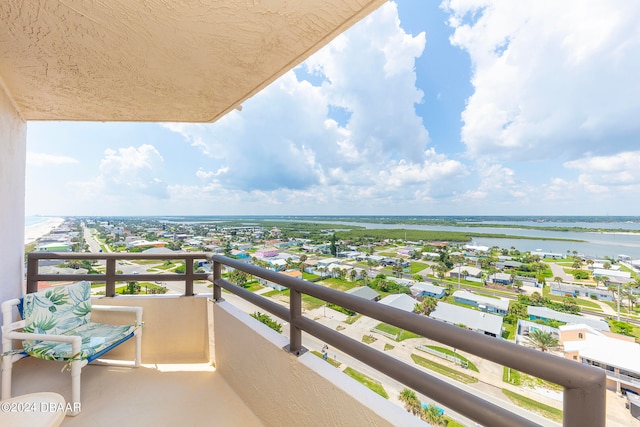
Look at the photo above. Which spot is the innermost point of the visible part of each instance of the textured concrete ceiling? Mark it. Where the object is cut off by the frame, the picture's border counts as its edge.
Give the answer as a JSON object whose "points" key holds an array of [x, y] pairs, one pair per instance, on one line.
{"points": [[157, 60]]}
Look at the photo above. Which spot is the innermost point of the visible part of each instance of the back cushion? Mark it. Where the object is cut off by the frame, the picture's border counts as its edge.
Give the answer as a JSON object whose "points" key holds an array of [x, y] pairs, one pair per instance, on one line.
{"points": [[57, 310]]}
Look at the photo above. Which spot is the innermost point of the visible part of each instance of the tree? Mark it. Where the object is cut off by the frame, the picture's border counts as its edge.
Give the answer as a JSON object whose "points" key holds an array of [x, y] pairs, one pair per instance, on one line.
{"points": [[397, 270], [238, 277], [303, 258], [332, 246], [433, 415], [426, 307], [606, 265], [364, 276], [132, 288], [353, 274], [411, 401], [518, 284], [557, 279], [542, 340]]}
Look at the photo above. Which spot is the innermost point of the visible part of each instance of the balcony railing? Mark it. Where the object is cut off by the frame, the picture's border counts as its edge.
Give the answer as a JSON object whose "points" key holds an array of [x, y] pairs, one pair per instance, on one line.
{"points": [[584, 386], [624, 378], [110, 277]]}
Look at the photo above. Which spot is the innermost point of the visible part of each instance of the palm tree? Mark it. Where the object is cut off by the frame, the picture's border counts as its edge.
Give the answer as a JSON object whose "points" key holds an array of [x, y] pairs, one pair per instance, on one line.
{"points": [[433, 415], [353, 274], [364, 276], [557, 279], [426, 307], [542, 340], [411, 401]]}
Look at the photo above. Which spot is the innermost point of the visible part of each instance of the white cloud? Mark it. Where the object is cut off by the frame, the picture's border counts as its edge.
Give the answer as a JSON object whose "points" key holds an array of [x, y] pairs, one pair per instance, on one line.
{"points": [[44, 159], [127, 173], [606, 174], [287, 145], [551, 79]]}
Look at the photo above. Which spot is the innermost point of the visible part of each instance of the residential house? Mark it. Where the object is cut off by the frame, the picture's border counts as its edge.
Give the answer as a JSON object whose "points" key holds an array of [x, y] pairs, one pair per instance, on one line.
{"points": [[500, 279], [567, 289], [364, 292], [470, 272], [484, 323], [401, 301], [291, 273], [612, 274], [545, 314], [426, 289], [488, 304], [525, 327], [617, 355], [267, 252]]}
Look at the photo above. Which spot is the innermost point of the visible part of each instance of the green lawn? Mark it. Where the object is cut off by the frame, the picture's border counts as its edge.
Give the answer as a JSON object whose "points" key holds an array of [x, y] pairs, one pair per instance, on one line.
{"points": [[535, 406], [339, 284], [508, 331], [444, 370], [329, 360], [368, 339], [510, 375], [310, 277], [308, 302], [369, 382], [400, 333], [470, 365], [417, 266]]}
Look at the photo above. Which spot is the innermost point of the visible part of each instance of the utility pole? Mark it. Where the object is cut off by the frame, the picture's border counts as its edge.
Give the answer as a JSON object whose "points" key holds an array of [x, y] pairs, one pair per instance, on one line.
{"points": [[618, 302]]}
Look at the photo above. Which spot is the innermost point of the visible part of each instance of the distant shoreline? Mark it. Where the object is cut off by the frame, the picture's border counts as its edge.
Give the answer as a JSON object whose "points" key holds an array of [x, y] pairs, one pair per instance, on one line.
{"points": [[35, 232]]}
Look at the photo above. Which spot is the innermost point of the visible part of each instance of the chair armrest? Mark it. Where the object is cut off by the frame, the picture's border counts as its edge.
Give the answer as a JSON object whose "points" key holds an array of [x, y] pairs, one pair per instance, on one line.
{"points": [[44, 337], [7, 310], [13, 326], [121, 308]]}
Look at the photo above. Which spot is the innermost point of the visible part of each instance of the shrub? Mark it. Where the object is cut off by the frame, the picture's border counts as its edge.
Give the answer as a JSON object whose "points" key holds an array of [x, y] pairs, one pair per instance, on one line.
{"points": [[264, 318]]}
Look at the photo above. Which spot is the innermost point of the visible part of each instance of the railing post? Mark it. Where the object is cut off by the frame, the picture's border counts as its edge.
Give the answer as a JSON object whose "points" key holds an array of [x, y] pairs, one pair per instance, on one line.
{"points": [[217, 274], [188, 282], [32, 274], [585, 406], [110, 282], [295, 312]]}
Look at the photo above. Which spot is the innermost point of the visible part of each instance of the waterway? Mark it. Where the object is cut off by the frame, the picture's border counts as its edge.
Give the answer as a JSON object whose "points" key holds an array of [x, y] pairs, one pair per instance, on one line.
{"points": [[594, 244]]}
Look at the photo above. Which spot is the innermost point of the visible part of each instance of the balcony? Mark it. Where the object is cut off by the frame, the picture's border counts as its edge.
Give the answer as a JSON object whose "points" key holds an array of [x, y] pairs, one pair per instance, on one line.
{"points": [[265, 378]]}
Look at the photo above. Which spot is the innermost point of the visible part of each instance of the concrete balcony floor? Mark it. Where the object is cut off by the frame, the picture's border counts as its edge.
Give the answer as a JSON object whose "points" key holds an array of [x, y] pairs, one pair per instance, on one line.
{"points": [[190, 394]]}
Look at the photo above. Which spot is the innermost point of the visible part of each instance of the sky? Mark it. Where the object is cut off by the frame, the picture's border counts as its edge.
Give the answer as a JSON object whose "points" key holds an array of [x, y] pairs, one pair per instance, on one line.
{"points": [[465, 107]]}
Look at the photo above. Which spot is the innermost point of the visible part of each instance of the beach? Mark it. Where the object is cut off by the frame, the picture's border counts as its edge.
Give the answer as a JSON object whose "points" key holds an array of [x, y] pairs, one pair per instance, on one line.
{"points": [[36, 231]]}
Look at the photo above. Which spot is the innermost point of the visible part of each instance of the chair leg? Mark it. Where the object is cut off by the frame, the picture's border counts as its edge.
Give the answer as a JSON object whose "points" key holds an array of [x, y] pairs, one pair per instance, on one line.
{"points": [[76, 370], [7, 368], [138, 348]]}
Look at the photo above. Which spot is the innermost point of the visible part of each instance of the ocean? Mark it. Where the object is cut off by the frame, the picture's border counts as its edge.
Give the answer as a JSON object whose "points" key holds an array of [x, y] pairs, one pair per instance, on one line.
{"points": [[35, 220]]}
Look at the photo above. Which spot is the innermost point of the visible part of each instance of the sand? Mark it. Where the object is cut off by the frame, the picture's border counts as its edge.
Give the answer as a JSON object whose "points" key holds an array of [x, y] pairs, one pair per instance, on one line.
{"points": [[34, 232]]}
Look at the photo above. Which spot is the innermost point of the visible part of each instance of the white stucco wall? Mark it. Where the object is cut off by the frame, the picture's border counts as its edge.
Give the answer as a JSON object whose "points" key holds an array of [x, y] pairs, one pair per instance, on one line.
{"points": [[13, 140], [282, 389], [176, 328]]}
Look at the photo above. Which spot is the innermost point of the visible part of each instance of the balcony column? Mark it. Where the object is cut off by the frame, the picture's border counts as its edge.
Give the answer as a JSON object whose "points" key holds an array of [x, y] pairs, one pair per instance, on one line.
{"points": [[13, 143]]}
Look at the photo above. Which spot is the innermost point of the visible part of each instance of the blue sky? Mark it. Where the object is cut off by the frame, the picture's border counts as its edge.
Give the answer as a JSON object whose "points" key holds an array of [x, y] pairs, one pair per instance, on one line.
{"points": [[468, 107]]}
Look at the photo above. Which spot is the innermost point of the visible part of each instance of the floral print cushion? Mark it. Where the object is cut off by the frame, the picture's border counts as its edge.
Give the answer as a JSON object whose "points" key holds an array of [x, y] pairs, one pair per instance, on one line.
{"points": [[96, 337], [57, 310], [66, 310]]}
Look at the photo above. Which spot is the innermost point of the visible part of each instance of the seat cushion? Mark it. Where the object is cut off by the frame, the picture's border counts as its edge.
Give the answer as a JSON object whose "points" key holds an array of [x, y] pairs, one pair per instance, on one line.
{"points": [[97, 339], [57, 310]]}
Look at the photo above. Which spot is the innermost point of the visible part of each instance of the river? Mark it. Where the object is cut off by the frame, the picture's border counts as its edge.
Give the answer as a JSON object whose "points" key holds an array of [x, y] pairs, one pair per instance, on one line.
{"points": [[595, 244]]}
